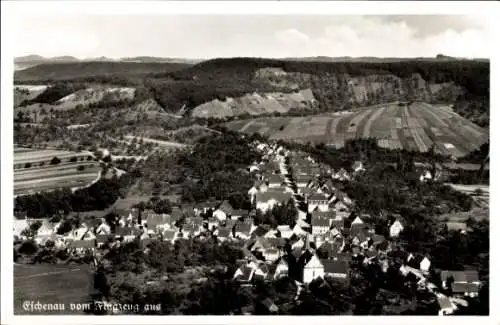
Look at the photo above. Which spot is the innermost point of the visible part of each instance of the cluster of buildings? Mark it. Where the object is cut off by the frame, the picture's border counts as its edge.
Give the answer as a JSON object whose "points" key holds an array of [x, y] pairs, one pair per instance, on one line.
{"points": [[326, 238]]}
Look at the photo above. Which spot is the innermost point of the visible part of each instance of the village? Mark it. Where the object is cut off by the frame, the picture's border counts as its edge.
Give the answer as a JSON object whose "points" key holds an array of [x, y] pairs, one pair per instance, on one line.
{"points": [[325, 239]]}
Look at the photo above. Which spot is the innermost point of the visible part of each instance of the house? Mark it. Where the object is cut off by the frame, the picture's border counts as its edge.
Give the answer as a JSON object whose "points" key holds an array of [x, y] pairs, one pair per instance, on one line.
{"points": [[128, 234], [303, 180], [275, 180], [212, 223], [296, 243], [242, 230], [19, 226], [446, 306], [223, 211], [260, 231], [223, 234], [370, 256], [337, 224], [261, 271], [244, 274], [103, 239], [458, 226], [361, 239], [81, 246], [253, 168], [336, 268], [342, 175], [285, 231], [45, 231], [240, 214], [191, 230], [267, 200], [464, 283], [357, 222], [170, 235], [332, 250], [205, 207], [419, 261], [156, 222], [271, 254], [281, 269], [320, 225], [81, 233], [271, 233], [357, 166], [396, 227], [425, 176], [103, 228], [313, 269], [341, 209], [317, 200]]}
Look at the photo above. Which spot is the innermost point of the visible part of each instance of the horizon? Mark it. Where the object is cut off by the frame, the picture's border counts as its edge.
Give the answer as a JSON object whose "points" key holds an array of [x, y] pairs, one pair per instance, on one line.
{"points": [[85, 36]]}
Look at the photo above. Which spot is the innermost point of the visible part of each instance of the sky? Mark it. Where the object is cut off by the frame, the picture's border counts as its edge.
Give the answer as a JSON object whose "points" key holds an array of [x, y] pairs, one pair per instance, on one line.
{"points": [[210, 36]]}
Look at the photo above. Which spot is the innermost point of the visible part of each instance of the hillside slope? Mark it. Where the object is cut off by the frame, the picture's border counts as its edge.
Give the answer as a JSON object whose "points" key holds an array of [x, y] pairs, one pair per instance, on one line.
{"points": [[335, 85]]}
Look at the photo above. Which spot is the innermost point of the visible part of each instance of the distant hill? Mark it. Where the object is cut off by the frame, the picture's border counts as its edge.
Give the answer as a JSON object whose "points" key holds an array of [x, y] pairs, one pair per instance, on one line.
{"points": [[372, 59], [47, 72]]}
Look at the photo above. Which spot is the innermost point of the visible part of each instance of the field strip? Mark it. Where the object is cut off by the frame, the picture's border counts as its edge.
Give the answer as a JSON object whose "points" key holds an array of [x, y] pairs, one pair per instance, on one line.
{"points": [[247, 125], [356, 120], [344, 123], [51, 168], [45, 274], [34, 176], [54, 179], [404, 117], [373, 117], [333, 126]]}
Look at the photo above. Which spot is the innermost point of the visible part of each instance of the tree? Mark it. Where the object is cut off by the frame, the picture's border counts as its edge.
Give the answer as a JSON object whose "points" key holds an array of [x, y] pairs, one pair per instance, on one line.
{"points": [[80, 168], [28, 247], [55, 161], [73, 159], [27, 165], [65, 227]]}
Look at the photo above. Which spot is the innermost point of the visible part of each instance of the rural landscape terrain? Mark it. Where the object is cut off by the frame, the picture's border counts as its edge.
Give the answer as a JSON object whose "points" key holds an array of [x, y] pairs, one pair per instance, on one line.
{"points": [[251, 186]]}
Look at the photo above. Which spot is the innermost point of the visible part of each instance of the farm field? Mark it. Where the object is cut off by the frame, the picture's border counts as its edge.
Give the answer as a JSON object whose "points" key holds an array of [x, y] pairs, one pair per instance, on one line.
{"points": [[51, 284], [414, 127], [42, 176]]}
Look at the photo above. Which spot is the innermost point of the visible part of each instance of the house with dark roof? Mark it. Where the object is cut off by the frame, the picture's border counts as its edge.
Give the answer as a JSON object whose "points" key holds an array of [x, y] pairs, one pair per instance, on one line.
{"points": [[465, 289], [458, 226], [204, 207], [239, 214], [317, 200], [336, 268], [419, 261], [303, 180], [285, 231], [157, 222], [313, 269], [242, 230], [81, 246], [320, 224], [275, 180], [223, 234]]}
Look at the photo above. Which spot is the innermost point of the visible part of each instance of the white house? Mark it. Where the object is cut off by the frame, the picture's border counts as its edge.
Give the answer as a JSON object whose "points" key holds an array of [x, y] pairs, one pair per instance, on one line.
{"points": [[357, 221], [396, 228], [320, 225], [275, 180], [45, 231], [19, 226], [313, 269], [223, 211], [358, 166], [267, 200], [271, 254], [281, 269], [285, 231], [103, 229]]}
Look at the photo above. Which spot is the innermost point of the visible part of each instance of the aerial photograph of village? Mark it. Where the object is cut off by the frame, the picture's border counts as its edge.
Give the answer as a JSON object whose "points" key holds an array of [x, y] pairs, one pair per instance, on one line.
{"points": [[251, 165]]}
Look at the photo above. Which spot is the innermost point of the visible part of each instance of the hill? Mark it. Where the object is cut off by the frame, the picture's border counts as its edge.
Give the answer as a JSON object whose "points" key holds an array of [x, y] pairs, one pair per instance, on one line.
{"points": [[48, 72], [413, 127], [335, 85]]}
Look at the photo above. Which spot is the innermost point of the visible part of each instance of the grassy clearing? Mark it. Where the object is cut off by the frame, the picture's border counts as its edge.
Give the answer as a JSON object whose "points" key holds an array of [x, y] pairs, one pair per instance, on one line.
{"points": [[51, 284]]}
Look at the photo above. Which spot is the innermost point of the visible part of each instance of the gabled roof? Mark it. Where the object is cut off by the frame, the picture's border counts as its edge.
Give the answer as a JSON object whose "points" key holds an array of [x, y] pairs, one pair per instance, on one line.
{"points": [[247, 274], [225, 207], [456, 226], [320, 222], [155, 219], [82, 244], [317, 197], [242, 227], [323, 214], [169, 234], [339, 224], [458, 287], [103, 238], [301, 178], [336, 266], [240, 213], [278, 196], [275, 179], [276, 242], [378, 238], [176, 214], [223, 232], [460, 276]]}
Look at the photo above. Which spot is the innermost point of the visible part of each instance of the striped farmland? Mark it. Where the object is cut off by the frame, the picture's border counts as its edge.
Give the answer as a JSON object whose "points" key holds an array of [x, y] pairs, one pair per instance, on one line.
{"points": [[415, 127]]}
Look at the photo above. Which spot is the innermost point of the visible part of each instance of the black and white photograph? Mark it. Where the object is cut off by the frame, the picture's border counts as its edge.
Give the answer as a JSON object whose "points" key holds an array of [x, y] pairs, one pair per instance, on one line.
{"points": [[291, 164]]}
